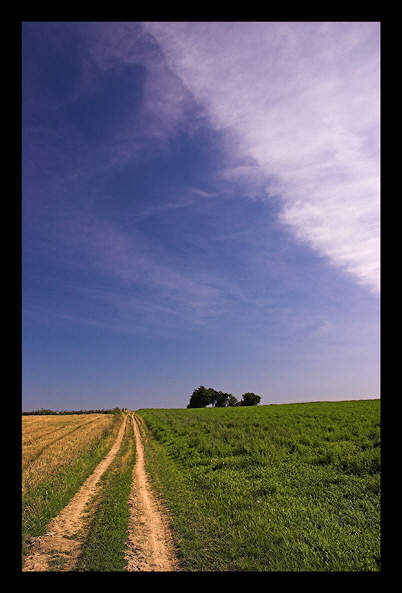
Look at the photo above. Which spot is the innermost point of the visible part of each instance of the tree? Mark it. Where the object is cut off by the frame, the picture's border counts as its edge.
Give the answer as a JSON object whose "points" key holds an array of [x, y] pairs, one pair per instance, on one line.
{"points": [[232, 400], [221, 399], [206, 396], [250, 399], [202, 397]]}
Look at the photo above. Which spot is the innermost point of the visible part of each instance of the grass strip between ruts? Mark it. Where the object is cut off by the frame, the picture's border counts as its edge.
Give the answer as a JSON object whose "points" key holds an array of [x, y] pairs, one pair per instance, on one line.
{"points": [[104, 548]]}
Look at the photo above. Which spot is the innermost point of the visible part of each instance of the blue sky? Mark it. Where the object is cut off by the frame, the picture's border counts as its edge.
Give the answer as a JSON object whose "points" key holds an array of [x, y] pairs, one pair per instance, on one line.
{"points": [[200, 207]]}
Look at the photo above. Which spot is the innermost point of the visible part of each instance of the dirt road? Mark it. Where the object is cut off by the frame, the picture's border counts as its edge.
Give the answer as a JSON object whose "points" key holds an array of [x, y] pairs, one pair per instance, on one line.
{"points": [[149, 543]]}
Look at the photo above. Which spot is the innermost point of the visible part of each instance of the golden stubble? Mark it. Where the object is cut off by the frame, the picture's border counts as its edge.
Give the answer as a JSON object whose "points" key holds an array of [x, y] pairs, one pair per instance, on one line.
{"points": [[50, 443]]}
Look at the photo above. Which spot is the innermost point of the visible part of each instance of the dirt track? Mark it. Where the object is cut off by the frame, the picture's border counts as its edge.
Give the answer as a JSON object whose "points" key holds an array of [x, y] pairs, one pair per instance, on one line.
{"points": [[149, 544]]}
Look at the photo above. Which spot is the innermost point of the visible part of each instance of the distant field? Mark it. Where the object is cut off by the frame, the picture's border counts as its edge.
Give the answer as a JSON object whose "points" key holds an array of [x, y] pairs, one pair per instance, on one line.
{"points": [[291, 487]]}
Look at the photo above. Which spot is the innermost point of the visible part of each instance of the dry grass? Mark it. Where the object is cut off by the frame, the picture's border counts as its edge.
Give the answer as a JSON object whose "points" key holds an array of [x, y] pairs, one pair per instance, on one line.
{"points": [[50, 443]]}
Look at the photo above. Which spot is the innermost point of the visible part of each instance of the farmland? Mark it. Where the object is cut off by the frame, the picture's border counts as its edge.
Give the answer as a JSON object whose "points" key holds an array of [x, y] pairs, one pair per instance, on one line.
{"points": [[273, 488], [287, 488], [58, 454], [50, 443], [90, 508]]}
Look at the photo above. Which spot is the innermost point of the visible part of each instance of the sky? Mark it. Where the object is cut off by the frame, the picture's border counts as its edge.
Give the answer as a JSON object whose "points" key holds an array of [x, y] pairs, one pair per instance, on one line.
{"points": [[200, 206]]}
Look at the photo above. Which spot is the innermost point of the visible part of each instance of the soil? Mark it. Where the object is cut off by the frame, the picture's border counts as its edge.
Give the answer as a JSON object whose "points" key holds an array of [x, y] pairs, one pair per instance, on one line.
{"points": [[150, 543]]}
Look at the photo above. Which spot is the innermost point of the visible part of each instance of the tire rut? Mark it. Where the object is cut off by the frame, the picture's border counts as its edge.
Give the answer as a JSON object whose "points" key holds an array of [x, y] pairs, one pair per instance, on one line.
{"points": [[150, 545]]}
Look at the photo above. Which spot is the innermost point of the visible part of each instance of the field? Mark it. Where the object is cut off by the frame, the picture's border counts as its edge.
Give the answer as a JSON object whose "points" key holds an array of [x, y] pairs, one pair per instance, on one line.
{"points": [[86, 503], [272, 488], [50, 443], [285, 488], [58, 453]]}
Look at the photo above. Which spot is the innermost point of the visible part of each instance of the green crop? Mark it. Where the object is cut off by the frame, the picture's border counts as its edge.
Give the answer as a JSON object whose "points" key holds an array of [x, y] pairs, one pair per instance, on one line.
{"points": [[291, 487]]}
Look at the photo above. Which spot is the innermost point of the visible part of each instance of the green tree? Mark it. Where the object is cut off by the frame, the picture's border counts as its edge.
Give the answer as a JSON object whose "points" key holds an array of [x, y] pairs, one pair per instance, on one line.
{"points": [[232, 400], [250, 399], [202, 397], [206, 396], [221, 400]]}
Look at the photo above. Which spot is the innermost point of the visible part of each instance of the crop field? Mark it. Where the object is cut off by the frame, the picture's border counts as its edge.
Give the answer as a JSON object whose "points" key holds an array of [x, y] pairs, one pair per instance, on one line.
{"points": [[287, 488], [58, 453], [86, 503], [291, 487], [50, 443]]}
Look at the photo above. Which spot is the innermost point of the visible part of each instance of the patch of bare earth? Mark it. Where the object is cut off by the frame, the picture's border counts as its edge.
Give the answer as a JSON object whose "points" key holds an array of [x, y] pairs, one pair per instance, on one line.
{"points": [[150, 544], [60, 547]]}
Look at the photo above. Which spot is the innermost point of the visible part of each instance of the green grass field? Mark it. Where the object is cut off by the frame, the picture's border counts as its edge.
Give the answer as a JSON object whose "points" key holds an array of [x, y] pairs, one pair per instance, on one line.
{"points": [[292, 487]]}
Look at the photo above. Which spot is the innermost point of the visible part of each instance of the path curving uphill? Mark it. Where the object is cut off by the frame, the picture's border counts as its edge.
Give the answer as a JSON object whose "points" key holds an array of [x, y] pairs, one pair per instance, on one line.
{"points": [[150, 544], [65, 533]]}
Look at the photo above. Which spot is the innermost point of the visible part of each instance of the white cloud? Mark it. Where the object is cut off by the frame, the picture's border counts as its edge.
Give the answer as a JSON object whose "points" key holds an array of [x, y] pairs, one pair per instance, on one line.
{"points": [[303, 101]]}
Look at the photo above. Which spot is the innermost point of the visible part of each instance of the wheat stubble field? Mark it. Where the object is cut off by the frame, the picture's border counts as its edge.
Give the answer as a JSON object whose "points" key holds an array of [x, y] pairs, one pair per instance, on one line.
{"points": [[112, 521], [288, 488]]}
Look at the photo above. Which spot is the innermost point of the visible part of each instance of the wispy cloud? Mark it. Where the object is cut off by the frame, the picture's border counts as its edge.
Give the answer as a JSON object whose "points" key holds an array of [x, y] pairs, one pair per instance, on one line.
{"points": [[303, 102], [294, 106], [185, 188]]}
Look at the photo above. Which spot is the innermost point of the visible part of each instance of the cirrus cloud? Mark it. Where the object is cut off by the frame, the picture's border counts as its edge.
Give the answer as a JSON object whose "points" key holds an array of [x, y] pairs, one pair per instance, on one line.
{"points": [[302, 99]]}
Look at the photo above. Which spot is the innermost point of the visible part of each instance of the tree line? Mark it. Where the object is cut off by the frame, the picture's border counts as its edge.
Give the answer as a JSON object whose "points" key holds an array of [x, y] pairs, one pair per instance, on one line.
{"points": [[206, 396]]}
